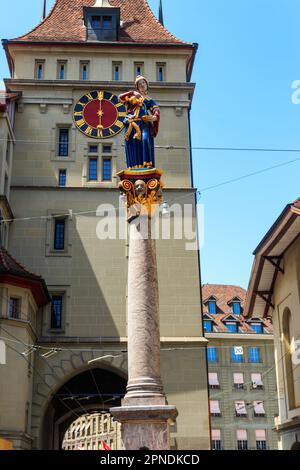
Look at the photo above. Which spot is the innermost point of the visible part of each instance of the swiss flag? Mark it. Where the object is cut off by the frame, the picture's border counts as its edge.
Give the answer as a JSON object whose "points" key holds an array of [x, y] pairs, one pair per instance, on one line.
{"points": [[105, 446]]}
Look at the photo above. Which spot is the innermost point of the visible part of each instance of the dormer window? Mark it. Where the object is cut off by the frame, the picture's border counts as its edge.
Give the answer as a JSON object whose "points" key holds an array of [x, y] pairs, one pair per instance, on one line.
{"points": [[102, 24], [207, 324], [232, 326], [212, 306], [257, 327], [235, 305], [236, 308]]}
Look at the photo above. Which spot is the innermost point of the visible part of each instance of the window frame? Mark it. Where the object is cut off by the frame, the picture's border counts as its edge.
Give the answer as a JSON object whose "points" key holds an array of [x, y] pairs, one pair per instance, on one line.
{"points": [[61, 63], [251, 355], [233, 355], [119, 65], [163, 66], [82, 64], [60, 172], [136, 65], [60, 144], [209, 303], [106, 159], [215, 355], [37, 64], [19, 310], [58, 220], [61, 296], [206, 322], [93, 159]]}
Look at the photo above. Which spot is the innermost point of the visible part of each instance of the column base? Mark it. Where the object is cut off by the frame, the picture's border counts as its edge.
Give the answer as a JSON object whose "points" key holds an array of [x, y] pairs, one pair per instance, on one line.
{"points": [[145, 427]]}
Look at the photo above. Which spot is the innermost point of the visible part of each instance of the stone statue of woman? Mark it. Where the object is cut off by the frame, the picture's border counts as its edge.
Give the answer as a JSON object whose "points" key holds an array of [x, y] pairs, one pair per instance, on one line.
{"points": [[141, 125]]}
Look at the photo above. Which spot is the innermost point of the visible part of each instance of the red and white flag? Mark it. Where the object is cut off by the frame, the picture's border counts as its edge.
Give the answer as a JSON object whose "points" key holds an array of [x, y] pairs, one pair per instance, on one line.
{"points": [[105, 446]]}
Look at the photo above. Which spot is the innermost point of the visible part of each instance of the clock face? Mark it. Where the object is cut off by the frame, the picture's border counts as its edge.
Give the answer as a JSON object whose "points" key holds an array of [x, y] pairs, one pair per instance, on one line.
{"points": [[99, 114]]}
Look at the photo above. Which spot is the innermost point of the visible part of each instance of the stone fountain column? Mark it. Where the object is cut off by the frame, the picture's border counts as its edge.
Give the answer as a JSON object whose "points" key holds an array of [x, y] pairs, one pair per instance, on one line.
{"points": [[144, 413]]}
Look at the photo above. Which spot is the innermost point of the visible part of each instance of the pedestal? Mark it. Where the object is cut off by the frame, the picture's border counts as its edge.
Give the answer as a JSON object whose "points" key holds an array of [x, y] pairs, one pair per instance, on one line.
{"points": [[144, 414]]}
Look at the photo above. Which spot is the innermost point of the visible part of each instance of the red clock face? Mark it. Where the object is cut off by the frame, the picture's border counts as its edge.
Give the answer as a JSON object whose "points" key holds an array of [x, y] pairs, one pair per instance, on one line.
{"points": [[99, 114]]}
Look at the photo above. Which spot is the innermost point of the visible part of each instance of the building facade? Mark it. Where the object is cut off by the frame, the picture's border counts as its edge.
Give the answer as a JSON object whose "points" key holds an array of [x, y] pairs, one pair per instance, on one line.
{"points": [[63, 171], [93, 432], [242, 384], [274, 292]]}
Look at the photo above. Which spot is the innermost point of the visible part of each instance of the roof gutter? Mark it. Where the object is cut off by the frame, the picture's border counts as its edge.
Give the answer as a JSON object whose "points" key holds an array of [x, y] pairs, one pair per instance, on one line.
{"points": [[100, 44], [10, 61], [190, 64]]}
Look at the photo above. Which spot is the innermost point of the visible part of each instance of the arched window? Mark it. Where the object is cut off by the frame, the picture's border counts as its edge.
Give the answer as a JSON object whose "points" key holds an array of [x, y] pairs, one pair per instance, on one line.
{"points": [[286, 338]]}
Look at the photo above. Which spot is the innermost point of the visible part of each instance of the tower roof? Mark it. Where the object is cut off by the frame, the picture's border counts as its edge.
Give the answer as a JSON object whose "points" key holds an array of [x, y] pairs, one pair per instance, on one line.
{"points": [[12, 272], [65, 23]]}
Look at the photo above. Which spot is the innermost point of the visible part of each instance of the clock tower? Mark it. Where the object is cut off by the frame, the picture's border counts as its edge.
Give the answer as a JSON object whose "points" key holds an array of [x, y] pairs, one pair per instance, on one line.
{"points": [[69, 72]]}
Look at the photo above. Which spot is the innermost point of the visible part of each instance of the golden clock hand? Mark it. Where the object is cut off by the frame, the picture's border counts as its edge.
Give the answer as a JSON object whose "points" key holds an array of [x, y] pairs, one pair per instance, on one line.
{"points": [[100, 112]]}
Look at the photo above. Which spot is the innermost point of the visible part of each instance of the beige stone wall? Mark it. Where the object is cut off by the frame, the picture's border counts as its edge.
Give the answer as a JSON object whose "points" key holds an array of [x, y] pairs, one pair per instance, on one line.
{"points": [[101, 62], [35, 158], [92, 273], [286, 296]]}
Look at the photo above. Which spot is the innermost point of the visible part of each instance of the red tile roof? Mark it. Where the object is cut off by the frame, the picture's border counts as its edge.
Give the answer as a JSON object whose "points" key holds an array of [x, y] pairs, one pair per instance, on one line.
{"points": [[224, 294], [65, 23], [11, 271]]}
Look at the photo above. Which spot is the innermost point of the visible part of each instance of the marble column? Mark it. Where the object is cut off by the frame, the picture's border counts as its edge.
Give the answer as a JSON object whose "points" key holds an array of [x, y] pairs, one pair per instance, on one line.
{"points": [[144, 414], [144, 381]]}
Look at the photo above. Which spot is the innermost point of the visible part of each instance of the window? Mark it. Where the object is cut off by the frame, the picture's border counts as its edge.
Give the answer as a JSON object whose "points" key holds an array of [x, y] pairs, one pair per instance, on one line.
{"points": [[62, 177], [261, 443], [215, 408], [259, 410], [212, 354], [212, 307], [216, 439], [240, 409], [232, 327], [238, 381], [138, 69], [106, 169], [39, 69], [59, 234], [84, 70], [236, 308], [213, 380], [61, 69], [106, 148], [257, 327], [242, 439], [207, 324], [107, 22], [96, 22], [93, 169], [14, 307], [257, 383], [254, 355], [63, 142], [161, 72], [93, 148], [236, 355], [56, 311], [117, 66]]}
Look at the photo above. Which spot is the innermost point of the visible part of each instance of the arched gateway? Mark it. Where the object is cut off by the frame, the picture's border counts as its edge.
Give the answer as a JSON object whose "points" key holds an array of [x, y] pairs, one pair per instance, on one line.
{"points": [[89, 391]]}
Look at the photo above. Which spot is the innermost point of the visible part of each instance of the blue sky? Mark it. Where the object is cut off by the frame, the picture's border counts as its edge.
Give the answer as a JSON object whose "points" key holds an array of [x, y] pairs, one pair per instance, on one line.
{"points": [[247, 60]]}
